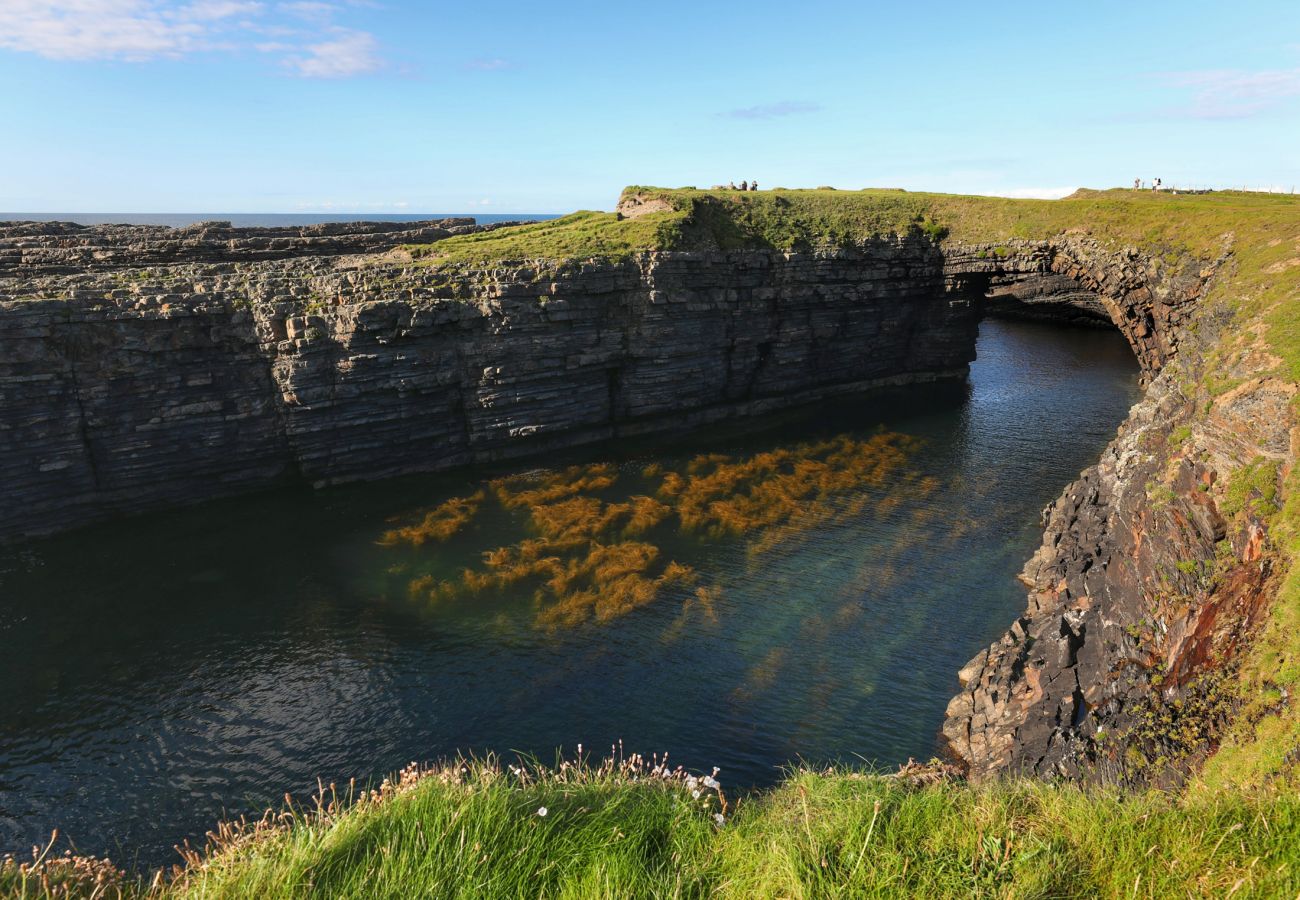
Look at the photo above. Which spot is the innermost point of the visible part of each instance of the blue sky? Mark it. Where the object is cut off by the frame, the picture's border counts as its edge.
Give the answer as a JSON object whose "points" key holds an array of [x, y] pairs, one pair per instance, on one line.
{"points": [[392, 106]]}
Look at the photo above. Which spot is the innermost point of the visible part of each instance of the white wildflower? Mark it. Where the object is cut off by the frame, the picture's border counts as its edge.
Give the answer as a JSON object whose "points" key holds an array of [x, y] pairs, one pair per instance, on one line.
{"points": [[696, 793], [542, 811], [720, 819], [710, 782]]}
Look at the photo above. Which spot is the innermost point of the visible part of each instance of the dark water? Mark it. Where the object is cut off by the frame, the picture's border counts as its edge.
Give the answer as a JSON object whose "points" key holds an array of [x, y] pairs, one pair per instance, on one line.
{"points": [[831, 572], [256, 220]]}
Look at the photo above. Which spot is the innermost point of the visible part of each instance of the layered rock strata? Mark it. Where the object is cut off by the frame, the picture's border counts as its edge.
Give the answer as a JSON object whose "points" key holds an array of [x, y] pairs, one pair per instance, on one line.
{"points": [[136, 390], [34, 249]]}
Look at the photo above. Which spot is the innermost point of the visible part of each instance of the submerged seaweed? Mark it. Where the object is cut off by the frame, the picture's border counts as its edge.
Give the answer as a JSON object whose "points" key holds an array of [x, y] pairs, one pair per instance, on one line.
{"points": [[591, 556]]}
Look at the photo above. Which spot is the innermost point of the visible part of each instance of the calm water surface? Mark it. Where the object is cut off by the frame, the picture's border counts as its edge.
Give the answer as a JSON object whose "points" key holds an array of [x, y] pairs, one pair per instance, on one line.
{"points": [[804, 589]]}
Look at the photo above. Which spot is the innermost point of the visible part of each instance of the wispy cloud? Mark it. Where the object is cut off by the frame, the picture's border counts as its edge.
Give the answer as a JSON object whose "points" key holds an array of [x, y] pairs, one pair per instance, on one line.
{"points": [[1235, 93], [214, 10], [489, 65], [309, 9], [309, 41], [97, 29], [350, 53], [773, 110]]}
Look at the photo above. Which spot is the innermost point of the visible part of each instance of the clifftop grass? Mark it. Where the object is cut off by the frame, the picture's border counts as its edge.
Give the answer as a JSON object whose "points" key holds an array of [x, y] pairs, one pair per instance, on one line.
{"points": [[476, 830], [803, 219]]}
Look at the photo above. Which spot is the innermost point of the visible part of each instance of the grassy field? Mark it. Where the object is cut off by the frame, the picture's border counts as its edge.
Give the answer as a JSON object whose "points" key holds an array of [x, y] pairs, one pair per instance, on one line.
{"points": [[803, 219], [477, 830]]}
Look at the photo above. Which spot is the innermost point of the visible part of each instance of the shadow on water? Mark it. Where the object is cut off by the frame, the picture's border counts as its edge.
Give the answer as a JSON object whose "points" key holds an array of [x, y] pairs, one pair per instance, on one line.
{"points": [[804, 587]]}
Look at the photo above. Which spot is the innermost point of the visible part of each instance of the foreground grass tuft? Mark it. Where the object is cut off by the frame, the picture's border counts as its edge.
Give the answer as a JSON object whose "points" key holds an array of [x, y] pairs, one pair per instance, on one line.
{"points": [[478, 830]]}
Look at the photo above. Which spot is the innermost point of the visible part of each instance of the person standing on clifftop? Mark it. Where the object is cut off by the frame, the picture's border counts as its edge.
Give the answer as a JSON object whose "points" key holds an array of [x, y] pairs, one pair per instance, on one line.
{"points": [[753, 185], [744, 185]]}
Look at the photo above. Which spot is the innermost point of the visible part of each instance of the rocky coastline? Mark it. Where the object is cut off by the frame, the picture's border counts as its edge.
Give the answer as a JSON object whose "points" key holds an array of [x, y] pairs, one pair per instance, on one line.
{"points": [[144, 368]]}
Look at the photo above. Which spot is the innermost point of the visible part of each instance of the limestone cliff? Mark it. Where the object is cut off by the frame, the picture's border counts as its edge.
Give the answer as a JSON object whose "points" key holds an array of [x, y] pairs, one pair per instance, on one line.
{"points": [[138, 389], [142, 369]]}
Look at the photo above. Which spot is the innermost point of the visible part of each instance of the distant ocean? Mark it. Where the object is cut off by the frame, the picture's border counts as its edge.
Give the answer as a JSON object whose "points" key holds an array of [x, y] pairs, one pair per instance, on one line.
{"points": [[256, 220]]}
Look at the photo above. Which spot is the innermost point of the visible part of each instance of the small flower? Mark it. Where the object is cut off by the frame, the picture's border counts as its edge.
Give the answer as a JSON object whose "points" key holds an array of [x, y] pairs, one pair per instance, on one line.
{"points": [[720, 819], [542, 811], [696, 793], [710, 782]]}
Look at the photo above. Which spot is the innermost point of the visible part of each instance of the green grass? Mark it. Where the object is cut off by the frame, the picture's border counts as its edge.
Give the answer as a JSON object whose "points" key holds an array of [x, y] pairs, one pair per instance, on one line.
{"points": [[583, 234], [478, 833], [794, 219]]}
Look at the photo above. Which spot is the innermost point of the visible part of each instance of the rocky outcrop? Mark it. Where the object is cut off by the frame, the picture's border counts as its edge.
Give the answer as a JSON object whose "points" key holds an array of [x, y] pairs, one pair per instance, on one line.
{"points": [[136, 390], [34, 249], [1149, 300], [1145, 581]]}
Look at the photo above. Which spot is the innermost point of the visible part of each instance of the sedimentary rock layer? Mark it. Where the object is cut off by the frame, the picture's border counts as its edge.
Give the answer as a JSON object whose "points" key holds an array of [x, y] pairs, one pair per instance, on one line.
{"points": [[33, 249], [134, 390]]}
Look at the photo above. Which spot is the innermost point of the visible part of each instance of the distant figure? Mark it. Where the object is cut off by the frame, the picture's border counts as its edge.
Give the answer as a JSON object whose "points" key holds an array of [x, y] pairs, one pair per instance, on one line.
{"points": [[753, 185], [1137, 184], [731, 185], [1156, 186], [744, 185]]}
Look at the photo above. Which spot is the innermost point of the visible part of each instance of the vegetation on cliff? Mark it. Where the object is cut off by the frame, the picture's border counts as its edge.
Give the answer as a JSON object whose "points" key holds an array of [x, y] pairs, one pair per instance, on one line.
{"points": [[638, 828], [804, 219]]}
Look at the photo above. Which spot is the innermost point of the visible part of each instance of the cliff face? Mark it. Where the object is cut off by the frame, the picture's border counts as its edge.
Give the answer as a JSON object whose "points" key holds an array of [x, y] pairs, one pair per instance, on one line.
{"points": [[143, 389], [1152, 573], [129, 385]]}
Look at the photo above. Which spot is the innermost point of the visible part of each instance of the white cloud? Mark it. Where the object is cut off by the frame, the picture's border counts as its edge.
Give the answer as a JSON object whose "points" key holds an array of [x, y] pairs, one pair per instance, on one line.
{"points": [[137, 31], [213, 10], [132, 30], [309, 9], [350, 53], [1234, 93]]}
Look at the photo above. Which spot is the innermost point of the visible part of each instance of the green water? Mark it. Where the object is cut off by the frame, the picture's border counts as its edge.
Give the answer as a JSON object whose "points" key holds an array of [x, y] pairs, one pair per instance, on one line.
{"points": [[801, 588]]}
